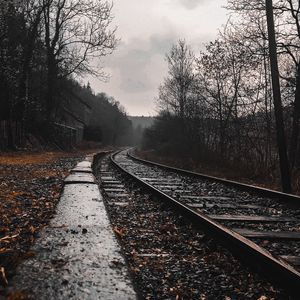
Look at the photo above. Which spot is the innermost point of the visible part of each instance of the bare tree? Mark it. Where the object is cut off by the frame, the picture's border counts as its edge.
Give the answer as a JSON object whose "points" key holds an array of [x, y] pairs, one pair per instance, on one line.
{"points": [[284, 166], [287, 34], [175, 90], [76, 32], [11, 44], [32, 13], [221, 71]]}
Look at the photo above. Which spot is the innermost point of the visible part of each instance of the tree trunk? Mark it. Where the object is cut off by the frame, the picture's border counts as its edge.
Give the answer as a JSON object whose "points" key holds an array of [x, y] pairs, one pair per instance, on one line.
{"points": [[295, 124], [281, 142], [10, 135], [20, 109], [50, 97]]}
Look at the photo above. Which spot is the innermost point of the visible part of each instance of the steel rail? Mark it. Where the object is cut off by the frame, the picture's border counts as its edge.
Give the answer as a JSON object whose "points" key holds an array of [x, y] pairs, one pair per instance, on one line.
{"points": [[277, 270], [293, 199]]}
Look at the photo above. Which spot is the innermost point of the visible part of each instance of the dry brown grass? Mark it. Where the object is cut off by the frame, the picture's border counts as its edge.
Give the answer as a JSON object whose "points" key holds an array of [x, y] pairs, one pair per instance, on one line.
{"points": [[27, 158]]}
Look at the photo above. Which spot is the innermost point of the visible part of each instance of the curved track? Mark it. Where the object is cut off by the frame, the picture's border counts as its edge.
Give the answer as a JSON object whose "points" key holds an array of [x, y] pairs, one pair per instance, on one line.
{"points": [[258, 225]]}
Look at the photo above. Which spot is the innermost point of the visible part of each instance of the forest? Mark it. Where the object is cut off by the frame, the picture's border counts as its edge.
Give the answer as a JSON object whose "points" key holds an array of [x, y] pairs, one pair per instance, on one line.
{"points": [[46, 47], [217, 105]]}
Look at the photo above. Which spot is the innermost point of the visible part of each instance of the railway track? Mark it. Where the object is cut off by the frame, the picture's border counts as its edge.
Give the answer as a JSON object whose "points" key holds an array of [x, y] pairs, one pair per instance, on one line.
{"points": [[260, 226]]}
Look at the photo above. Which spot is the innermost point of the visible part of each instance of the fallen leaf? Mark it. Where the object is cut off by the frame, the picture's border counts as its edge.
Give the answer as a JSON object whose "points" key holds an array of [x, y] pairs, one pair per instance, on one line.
{"points": [[8, 237], [119, 232], [29, 254], [17, 296], [5, 250], [3, 278]]}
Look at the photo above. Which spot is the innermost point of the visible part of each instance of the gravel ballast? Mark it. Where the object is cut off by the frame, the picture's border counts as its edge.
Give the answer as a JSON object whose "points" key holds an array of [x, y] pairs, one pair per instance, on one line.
{"points": [[170, 259], [215, 198]]}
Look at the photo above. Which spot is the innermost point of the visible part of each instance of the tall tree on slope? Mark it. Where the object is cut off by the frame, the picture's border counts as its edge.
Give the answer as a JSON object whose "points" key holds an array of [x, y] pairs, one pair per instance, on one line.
{"points": [[177, 86], [283, 159], [76, 32]]}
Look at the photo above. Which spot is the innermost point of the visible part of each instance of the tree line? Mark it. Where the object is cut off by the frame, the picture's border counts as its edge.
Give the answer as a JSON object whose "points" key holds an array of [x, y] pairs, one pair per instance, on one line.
{"points": [[109, 123], [44, 46], [218, 105]]}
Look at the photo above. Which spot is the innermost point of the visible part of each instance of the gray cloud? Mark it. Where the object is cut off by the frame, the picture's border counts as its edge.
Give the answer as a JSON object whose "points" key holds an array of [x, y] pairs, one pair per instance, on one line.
{"points": [[134, 62], [130, 64], [162, 43], [191, 4], [147, 30]]}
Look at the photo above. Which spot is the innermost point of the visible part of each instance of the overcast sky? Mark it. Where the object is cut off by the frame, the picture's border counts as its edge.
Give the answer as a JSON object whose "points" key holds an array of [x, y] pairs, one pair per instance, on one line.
{"points": [[147, 29]]}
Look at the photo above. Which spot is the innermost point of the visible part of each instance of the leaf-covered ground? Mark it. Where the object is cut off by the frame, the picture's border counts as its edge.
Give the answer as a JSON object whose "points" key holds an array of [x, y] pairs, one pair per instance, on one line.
{"points": [[30, 187]]}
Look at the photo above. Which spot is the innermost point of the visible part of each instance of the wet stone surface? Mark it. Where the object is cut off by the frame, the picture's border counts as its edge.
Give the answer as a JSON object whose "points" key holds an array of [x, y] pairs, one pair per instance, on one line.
{"points": [[30, 188], [77, 256], [80, 177]]}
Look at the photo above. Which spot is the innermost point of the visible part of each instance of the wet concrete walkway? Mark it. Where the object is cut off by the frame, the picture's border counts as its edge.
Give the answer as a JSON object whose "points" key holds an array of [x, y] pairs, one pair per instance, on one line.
{"points": [[77, 256]]}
